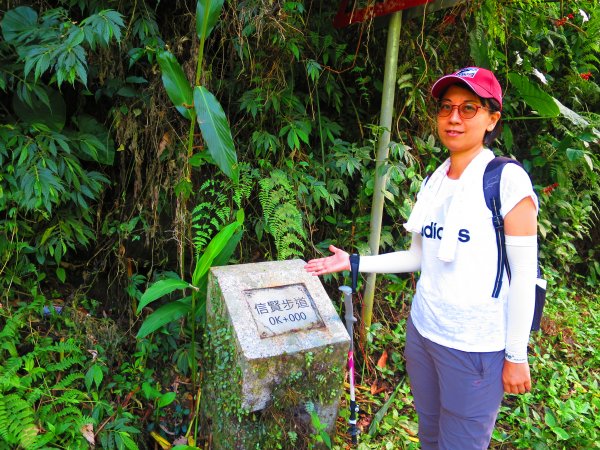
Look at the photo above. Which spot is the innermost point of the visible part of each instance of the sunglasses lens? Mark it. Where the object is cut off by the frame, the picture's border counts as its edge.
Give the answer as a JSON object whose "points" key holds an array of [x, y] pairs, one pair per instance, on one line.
{"points": [[444, 109], [467, 111]]}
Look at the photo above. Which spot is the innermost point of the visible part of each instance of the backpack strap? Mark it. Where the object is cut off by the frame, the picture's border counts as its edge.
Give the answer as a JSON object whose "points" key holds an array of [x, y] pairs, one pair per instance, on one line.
{"points": [[491, 193]]}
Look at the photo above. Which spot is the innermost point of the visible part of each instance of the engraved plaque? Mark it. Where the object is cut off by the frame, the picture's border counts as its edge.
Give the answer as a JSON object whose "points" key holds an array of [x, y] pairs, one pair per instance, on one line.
{"points": [[282, 309]]}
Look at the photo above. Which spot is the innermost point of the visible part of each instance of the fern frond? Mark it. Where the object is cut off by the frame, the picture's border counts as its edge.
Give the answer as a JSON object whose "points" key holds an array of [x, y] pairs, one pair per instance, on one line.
{"points": [[17, 425], [282, 218], [34, 375], [9, 370], [64, 364], [209, 216], [68, 346], [244, 188], [69, 414], [10, 331], [34, 395], [67, 381]]}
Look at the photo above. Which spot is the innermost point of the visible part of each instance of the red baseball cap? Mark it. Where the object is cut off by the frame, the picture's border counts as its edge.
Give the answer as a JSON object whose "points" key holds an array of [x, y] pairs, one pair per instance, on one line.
{"points": [[481, 81]]}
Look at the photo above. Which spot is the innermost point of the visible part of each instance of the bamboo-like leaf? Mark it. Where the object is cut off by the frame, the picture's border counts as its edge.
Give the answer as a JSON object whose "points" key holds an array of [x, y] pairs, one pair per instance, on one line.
{"points": [[383, 410], [160, 289], [96, 133], [207, 12], [164, 315], [214, 248], [534, 96], [216, 131], [53, 114], [176, 84]]}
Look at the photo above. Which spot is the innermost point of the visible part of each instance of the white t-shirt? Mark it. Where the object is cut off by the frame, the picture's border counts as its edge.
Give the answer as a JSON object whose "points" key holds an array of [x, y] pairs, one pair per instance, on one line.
{"points": [[453, 304]]}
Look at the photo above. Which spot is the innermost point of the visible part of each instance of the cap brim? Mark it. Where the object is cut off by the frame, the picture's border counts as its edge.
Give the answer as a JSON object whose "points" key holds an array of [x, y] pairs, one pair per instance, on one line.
{"points": [[444, 82]]}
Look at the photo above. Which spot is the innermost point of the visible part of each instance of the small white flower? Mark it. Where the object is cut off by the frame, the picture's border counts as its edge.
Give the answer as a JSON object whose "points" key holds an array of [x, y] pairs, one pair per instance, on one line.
{"points": [[584, 15], [540, 75], [519, 60]]}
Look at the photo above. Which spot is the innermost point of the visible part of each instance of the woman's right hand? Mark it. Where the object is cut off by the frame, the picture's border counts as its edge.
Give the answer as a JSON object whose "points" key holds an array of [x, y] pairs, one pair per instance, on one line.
{"points": [[340, 260]]}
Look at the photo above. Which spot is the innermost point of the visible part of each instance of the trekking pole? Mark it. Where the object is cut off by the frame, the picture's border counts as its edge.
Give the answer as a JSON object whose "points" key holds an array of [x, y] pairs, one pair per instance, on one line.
{"points": [[350, 319]]}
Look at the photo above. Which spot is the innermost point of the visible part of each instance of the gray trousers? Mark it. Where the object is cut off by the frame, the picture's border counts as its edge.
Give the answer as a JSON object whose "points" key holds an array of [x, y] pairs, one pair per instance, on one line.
{"points": [[457, 394]]}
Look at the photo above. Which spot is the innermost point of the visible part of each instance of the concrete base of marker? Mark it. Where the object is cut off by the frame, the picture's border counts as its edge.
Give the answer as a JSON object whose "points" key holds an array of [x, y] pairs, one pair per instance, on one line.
{"points": [[273, 342]]}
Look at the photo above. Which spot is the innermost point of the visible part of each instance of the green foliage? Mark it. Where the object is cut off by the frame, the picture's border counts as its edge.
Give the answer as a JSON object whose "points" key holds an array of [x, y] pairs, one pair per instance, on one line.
{"points": [[46, 194], [216, 132], [552, 63], [40, 387], [320, 435], [282, 219], [201, 105], [209, 216], [207, 16], [219, 247], [17, 421], [55, 43], [562, 409], [46, 186], [290, 101], [176, 84]]}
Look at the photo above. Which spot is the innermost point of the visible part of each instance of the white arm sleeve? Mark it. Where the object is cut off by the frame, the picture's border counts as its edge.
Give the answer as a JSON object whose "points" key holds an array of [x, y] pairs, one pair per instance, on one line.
{"points": [[521, 252], [395, 262]]}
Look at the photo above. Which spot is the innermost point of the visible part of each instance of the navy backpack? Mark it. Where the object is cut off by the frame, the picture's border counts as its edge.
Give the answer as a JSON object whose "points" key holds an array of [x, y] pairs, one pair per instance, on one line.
{"points": [[491, 192]]}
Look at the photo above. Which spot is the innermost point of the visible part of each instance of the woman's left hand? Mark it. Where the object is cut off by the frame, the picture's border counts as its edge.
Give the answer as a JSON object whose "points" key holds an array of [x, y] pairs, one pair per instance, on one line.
{"points": [[516, 377]]}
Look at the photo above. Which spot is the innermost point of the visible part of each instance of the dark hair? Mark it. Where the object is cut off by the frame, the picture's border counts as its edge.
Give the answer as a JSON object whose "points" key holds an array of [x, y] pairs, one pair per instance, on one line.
{"points": [[492, 105]]}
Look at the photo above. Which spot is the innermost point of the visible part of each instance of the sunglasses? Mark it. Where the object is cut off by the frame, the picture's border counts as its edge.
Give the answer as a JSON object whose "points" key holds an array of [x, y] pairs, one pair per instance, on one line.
{"points": [[466, 110]]}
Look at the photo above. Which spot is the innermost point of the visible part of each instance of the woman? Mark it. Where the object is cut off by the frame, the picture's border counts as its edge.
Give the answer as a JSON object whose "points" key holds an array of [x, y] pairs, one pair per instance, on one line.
{"points": [[464, 349]]}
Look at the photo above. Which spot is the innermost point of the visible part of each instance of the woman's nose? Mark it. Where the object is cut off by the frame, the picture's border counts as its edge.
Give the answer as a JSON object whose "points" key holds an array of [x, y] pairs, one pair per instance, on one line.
{"points": [[454, 115]]}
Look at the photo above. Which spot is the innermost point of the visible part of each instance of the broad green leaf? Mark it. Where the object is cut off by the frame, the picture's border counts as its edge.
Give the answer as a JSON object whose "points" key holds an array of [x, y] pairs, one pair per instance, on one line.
{"points": [[571, 115], [164, 315], [176, 84], [222, 259], [479, 47], [93, 375], [574, 154], [125, 440], [160, 289], [214, 248], [216, 132], [589, 161], [561, 433], [19, 24], [550, 419], [207, 16], [166, 399], [61, 274], [535, 97], [53, 116]]}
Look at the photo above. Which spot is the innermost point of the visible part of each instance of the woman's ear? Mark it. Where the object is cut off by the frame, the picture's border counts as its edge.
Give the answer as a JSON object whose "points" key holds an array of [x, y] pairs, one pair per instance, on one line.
{"points": [[494, 118]]}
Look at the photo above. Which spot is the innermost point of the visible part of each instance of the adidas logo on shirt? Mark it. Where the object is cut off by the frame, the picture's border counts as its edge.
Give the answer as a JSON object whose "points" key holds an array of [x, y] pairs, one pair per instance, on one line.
{"points": [[432, 231]]}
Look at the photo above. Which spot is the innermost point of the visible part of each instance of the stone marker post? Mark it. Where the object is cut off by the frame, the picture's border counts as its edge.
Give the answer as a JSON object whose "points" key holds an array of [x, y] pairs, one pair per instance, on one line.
{"points": [[274, 342]]}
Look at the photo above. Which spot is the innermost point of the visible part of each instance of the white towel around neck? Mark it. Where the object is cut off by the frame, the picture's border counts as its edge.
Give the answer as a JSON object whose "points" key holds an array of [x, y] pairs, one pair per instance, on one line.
{"points": [[425, 200]]}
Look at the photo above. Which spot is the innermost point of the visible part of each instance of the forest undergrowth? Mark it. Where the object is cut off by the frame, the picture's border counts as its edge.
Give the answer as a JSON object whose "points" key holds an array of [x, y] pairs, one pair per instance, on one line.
{"points": [[144, 141]]}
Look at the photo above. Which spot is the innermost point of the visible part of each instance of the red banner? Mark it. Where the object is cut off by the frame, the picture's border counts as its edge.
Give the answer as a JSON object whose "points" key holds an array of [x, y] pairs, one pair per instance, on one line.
{"points": [[353, 13]]}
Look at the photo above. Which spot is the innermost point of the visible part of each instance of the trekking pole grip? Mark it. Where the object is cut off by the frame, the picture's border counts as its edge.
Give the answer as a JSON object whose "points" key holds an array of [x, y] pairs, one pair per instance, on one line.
{"points": [[354, 263]]}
